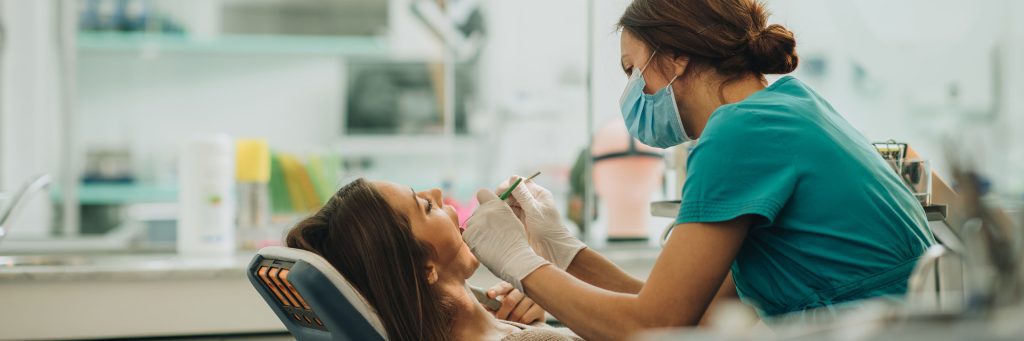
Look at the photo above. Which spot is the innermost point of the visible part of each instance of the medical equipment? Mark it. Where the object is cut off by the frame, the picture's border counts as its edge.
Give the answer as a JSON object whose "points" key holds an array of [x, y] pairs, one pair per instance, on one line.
{"points": [[314, 301], [915, 173], [666, 208], [986, 243], [499, 242], [481, 296], [993, 255], [626, 176], [508, 192], [893, 152], [632, 151]]}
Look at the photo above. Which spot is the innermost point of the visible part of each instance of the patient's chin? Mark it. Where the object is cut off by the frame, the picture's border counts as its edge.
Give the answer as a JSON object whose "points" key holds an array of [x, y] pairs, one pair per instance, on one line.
{"points": [[472, 263]]}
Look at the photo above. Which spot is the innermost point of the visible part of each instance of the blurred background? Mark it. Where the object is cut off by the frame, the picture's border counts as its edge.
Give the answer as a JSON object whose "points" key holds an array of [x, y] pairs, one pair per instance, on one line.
{"points": [[106, 96], [102, 93]]}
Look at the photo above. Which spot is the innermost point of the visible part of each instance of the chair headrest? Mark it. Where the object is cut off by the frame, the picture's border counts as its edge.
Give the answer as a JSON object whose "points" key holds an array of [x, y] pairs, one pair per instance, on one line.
{"points": [[319, 263]]}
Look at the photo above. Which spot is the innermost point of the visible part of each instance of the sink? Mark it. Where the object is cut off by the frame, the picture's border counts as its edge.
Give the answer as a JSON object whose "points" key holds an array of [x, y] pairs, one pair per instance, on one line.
{"points": [[42, 260]]}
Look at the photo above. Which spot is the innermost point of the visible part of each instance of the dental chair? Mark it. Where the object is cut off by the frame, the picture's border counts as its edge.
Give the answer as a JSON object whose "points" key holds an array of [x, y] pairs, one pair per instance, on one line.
{"points": [[313, 300]]}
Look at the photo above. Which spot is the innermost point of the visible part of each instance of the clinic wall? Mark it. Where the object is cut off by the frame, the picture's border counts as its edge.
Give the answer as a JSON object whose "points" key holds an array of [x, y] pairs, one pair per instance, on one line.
{"points": [[153, 105], [532, 79], [892, 72], [534, 73], [29, 105], [1013, 120], [607, 74]]}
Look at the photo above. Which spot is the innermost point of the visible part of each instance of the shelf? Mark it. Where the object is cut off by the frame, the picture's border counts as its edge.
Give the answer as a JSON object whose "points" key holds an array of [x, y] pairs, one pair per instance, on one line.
{"points": [[117, 194], [148, 43], [406, 144]]}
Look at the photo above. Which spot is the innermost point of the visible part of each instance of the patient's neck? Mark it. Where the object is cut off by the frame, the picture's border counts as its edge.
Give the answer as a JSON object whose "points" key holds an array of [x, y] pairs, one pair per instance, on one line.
{"points": [[470, 321]]}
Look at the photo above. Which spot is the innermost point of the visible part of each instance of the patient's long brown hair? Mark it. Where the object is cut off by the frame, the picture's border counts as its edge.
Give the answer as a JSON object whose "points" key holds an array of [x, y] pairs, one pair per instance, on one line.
{"points": [[373, 246]]}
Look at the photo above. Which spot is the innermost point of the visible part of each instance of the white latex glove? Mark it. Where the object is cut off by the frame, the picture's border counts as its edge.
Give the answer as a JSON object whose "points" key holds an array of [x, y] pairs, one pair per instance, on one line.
{"points": [[498, 239], [547, 236]]}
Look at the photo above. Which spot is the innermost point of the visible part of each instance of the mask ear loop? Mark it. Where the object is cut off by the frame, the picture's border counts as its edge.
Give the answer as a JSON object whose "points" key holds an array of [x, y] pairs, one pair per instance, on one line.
{"points": [[644, 69], [671, 81]]}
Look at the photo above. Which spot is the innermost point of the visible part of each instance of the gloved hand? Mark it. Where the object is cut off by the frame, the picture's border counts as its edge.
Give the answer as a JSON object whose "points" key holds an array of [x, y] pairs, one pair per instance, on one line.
{"points": [[498, 239], [515, 306], [547, 236]]}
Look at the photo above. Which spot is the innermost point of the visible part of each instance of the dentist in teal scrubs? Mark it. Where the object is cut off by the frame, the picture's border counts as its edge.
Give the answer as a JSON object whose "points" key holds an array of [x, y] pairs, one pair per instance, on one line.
{"points": [[785, 203]]}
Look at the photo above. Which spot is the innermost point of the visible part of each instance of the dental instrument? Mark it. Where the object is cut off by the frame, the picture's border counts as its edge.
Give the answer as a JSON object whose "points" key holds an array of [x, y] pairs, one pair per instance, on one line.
{"points": [[504, 196], [508, 192], [481, 295]]}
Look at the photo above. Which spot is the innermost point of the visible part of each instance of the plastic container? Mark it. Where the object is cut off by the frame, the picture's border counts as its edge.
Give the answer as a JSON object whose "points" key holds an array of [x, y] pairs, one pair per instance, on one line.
{"points": [[252, 173], [206, 218]]}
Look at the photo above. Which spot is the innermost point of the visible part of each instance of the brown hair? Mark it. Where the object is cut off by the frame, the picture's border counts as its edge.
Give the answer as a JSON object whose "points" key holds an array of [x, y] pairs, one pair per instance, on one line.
{"points": [[373, 246], [727, 36]]}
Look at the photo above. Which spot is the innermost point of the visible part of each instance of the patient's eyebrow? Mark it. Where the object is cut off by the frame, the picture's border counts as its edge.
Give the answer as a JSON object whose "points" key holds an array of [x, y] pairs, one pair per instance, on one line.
{"points": [[415, 199]]}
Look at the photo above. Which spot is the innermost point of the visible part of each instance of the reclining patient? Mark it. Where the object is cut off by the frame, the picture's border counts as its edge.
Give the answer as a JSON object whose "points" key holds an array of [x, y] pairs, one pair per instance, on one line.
{"points": [[403, 251]]}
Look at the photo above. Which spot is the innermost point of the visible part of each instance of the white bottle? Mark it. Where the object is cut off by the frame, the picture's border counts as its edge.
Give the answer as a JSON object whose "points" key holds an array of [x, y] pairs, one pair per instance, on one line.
{"points": [[206, 219]]}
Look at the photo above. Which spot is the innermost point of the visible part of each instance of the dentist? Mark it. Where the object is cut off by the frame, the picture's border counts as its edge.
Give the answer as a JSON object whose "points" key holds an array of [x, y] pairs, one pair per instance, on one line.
{"points": [[784, 201]]}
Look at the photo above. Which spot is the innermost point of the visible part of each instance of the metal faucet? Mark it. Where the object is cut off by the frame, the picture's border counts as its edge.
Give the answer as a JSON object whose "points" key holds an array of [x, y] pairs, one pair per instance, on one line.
{"points": [[18, 200]]}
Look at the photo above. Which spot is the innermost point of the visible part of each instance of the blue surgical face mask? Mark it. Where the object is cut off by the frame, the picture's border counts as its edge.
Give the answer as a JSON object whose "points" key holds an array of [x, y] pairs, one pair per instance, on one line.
{"points": [[652, 119]]}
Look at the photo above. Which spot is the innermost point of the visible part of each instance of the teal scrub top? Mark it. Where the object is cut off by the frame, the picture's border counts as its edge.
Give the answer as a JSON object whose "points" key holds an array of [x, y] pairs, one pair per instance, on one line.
{"points": [[833, 223]]}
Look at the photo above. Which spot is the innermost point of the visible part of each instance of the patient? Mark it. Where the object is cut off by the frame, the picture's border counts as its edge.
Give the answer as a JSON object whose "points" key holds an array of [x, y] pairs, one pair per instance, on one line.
{"points": [[403, 251]]}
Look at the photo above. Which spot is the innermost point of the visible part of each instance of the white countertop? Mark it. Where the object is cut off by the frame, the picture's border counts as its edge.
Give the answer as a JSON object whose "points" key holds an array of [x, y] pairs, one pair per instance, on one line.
{"points": [[129, 296], [82, 293], [634, 257], [124, 267]]}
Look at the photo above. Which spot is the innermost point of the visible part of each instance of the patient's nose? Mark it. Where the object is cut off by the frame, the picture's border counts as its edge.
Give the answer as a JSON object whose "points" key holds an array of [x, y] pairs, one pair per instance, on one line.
{"points": [[436, 195]]}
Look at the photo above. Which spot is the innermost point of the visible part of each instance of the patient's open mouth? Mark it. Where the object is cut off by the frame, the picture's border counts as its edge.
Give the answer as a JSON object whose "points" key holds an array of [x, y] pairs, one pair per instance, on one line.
{"points": [[455, 219]]}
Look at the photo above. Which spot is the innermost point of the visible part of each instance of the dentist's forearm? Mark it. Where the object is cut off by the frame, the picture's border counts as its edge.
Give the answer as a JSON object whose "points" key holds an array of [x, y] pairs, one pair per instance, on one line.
{"points": [[593, 268], [591, 312], [683, 282]]}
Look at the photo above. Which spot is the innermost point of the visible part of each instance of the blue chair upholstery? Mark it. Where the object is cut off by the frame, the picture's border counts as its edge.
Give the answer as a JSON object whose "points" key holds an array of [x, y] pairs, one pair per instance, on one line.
{"points": [[313, 300]]}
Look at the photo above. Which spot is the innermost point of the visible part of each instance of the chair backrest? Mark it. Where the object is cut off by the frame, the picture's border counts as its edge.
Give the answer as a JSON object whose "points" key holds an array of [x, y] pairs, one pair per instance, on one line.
{"points": [[313, 300]]}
